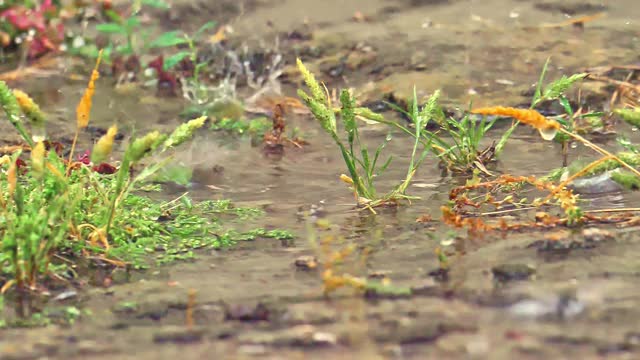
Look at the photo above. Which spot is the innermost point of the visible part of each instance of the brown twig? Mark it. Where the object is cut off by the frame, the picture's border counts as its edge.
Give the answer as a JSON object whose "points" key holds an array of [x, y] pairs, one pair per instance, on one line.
{"points": [[612, 210]]}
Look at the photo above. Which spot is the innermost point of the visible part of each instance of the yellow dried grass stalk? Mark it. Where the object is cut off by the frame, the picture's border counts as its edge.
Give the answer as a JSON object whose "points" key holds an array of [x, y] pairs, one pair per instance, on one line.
{"points": [[84, 106], [12, 178], [84, 109]]}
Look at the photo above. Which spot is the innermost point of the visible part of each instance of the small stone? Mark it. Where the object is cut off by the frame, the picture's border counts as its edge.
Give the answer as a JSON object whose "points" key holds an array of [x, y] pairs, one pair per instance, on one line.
{"points": [[324, 338], [533, 308], [452, 343], [306, 262], [65, 295], [244, 312], [308, 314], [597, 235], [302, 335], [427, 287], [477, 346], [91, 347], [512, 272], [392, 351], [19, 352], [178, 334], [417, 331], [529, 346], [379, 274], [253, 350], [560, 235], [424, 219], [504, 82], [553, 306]]}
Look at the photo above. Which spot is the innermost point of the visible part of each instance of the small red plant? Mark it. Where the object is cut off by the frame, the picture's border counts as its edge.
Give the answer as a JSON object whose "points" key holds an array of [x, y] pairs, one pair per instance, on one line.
{"points": [[167, 81], [18, 21]]}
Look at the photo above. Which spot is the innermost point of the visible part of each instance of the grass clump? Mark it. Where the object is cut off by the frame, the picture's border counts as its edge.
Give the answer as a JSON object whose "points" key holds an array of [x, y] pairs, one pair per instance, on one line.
{"points": [[54, 209], [364, 166], [630, 116], [463, 153]]}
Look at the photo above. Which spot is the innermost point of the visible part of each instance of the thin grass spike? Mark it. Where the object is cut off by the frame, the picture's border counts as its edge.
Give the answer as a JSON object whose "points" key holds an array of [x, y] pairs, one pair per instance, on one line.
{"points": [[11, 107]]}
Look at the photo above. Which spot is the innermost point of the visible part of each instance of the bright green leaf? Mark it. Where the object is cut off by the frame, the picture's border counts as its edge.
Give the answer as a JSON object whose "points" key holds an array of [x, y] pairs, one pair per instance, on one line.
{"points": [[158, 4], [171, 38], [131, 23], [208, 25], [111, 28], [174, 59]]}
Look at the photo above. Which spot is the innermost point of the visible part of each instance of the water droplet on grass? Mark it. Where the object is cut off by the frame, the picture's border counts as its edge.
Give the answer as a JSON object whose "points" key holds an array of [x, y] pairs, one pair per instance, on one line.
{"points": [[548, 134]]}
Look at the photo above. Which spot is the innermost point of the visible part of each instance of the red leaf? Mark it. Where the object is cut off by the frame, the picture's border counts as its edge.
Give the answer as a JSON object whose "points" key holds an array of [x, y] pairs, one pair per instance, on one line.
{"points": [[105, 168], [85, 158]]}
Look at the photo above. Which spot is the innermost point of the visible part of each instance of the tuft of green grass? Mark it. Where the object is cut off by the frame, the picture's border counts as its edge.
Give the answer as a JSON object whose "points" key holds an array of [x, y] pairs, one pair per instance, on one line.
{"points": [[627, 179], [50, 207], [363, 165], [460, 150], [630, 116], [255, 128]]}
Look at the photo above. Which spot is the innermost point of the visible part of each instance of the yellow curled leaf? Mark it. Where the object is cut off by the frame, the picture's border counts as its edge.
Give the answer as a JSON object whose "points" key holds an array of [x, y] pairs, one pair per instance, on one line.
{"points": [[102, 149]]}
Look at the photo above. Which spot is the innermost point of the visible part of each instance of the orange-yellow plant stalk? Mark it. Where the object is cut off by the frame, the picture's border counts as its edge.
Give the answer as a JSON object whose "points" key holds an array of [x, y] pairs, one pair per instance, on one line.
{"points": [[547, 128], [12, 178], [84, 106], [83, 109]]}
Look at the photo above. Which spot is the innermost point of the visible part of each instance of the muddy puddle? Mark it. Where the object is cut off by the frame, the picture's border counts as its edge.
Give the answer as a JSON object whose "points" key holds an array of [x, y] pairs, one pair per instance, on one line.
{"points": [[506, 296]]}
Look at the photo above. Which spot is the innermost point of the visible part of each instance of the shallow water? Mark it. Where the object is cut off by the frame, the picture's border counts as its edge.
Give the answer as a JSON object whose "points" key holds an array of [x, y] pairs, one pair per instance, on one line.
{"points": [[580, 302]]}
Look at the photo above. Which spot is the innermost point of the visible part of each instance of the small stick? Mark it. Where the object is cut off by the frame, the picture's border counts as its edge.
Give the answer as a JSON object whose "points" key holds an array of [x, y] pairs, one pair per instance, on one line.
{"points": [[578, 20], [613, 81], [612, 210], [500, 212], [190, 305]]}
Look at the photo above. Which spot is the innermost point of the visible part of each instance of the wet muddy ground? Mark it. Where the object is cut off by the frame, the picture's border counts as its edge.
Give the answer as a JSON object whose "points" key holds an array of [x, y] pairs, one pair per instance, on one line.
{"points": [[507, 296]]}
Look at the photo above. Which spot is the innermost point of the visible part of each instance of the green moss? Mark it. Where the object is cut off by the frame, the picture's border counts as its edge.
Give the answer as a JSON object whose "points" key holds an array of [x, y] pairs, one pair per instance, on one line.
{"points": [[379, 289], [554, 175], [627, 179], [630, 158], [178, 174], [631, 116], [167, 232], [254, 127]]}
